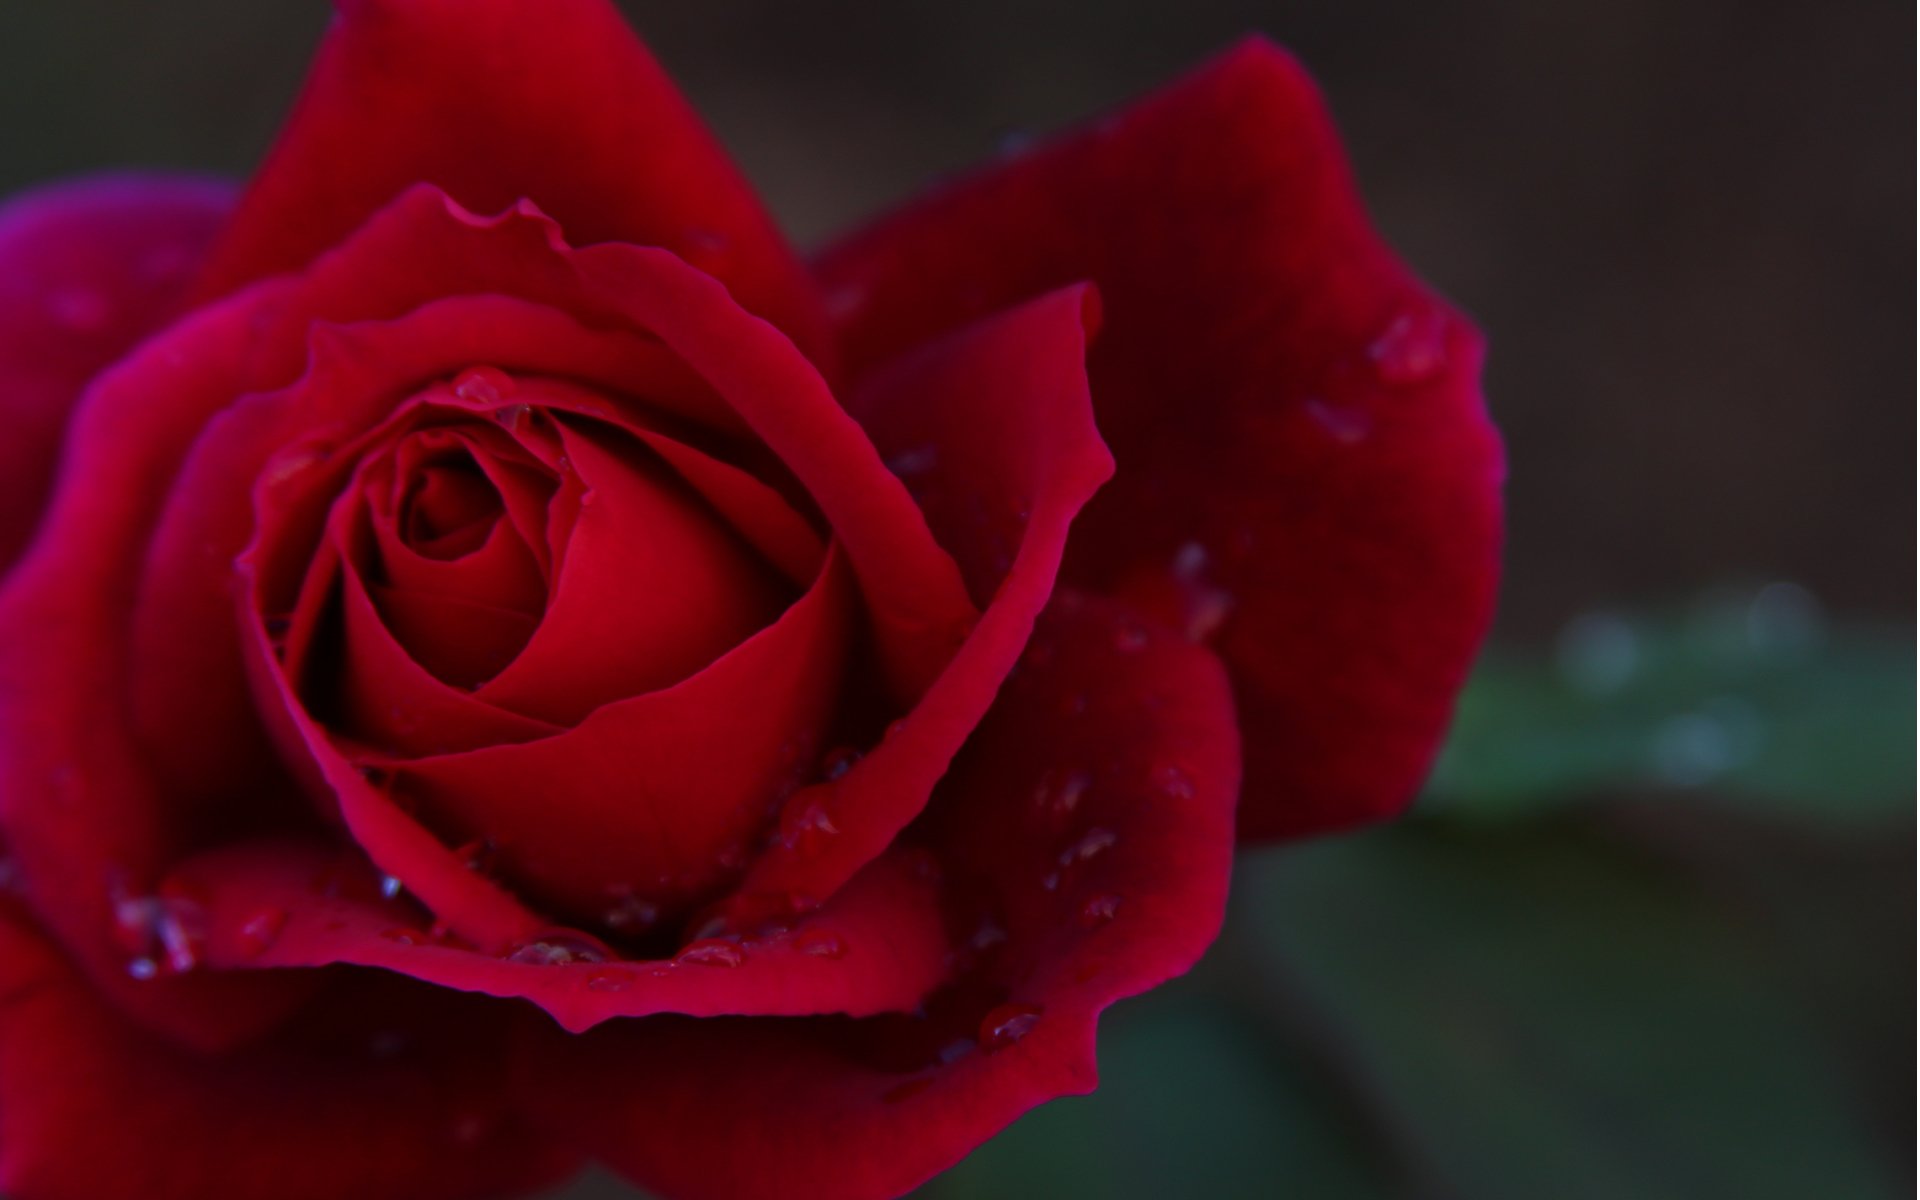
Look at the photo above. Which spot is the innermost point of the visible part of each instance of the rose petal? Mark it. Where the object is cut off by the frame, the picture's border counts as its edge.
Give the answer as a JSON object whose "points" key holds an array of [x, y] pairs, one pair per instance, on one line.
{"points": [[87, 267], [668, 1102], [352, 379], [499, 100], [653, 589], [655, 793], [878, 946], [1307, 475], [1007, 400], [380, 1089], [79, 808]]}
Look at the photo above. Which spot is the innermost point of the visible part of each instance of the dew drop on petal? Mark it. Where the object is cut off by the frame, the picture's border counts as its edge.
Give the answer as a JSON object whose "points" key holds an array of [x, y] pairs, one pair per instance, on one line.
{"points": [[560, 947], [1204, 605], [1099, 910], [838, 762], [807, 827], [820, 943], [711, 952], [1093, 842], [483, 385], [390, 887], [1411, 349], [1007, 1024], [259, 931], [629, 914], [613, 979], [1060, 792]]}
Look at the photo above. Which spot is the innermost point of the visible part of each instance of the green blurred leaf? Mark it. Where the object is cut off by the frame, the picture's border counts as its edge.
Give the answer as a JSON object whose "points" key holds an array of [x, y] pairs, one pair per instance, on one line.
{"points": [[1537, 1011], [1748, 698]]}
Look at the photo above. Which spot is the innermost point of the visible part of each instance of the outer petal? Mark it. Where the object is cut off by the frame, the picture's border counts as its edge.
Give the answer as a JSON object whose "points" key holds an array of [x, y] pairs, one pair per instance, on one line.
{"points": [[878, 946], [669, 1101], [1307, 477], [1005, 400], [499, 100], [87, 267], [381, 1090]]}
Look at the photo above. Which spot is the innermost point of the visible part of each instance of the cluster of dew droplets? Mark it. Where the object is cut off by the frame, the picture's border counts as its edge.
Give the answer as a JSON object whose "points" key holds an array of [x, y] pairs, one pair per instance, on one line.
{"points": [[161, 934], [1410, 349]]}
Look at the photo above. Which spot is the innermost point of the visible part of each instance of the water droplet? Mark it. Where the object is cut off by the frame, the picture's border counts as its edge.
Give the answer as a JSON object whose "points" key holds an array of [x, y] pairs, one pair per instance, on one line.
{"points": [[806, 827], [1204, 605], [1093, 842], [391, 887], [820, 943], [613, 979], [478, 855], [1098, 910], [1007, 1024], [259, 931], [711, 952], [485, 386], [80, 309], [1412, 348], [515, 417], [631, 915], [838, 762], [1059, 793], [560, 947], [1597, 653], [1344, 423], [986, 936], [404, 936], [161, 934]]}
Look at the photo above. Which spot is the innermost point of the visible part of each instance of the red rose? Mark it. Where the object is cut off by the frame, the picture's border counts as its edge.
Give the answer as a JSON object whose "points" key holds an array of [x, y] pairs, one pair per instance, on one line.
{"points": [[485, 553]]}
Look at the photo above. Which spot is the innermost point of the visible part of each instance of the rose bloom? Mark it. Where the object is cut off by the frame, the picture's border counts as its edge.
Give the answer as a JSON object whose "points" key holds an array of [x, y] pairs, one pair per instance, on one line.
{"points": [[505, 663]]}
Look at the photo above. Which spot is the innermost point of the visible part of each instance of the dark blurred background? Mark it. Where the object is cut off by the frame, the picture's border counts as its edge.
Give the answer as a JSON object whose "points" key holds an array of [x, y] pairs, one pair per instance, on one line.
{"points": [[1651, 936]]}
